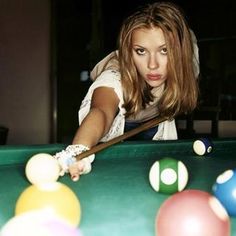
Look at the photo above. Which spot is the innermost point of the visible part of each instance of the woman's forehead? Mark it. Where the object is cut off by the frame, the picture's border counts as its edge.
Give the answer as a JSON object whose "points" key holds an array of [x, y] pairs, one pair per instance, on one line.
{"points": [[146, 35]]}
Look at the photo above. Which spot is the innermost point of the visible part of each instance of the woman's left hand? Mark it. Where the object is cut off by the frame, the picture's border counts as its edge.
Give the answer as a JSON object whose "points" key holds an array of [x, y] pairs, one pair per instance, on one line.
{"points": [[68, 163]]}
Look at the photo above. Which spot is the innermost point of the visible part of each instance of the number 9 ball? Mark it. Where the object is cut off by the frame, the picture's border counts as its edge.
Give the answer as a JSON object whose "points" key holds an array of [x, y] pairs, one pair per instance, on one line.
{"points": [[202, 146]]}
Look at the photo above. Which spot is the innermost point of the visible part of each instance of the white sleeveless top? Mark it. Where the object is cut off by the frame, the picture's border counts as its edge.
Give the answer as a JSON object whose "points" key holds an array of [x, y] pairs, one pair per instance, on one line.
{"points": [[110, 77]]}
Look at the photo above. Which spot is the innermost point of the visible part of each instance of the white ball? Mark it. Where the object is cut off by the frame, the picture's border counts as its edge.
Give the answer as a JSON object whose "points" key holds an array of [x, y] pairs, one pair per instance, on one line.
{"points": [[42, 168], [38, 223]]}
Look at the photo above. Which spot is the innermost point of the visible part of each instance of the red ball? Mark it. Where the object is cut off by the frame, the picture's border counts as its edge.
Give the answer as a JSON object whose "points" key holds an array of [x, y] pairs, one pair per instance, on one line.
{"points": [[192, 213]]}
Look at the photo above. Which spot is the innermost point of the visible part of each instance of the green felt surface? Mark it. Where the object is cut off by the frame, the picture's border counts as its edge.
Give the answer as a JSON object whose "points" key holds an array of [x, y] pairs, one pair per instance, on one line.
{"points": [[116, 197]]}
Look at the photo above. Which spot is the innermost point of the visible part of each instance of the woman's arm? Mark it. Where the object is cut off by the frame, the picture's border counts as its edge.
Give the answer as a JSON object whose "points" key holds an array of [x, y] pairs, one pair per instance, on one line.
{"points": [[104, 107]]}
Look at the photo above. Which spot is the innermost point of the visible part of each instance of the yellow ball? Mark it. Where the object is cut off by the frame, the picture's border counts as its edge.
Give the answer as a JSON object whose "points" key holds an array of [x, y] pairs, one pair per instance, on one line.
{"points": [[42, 168], [56, 198]]}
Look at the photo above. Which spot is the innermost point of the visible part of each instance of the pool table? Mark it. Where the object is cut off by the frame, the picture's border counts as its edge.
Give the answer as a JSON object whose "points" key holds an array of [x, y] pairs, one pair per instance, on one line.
{"points": [[116, 197]]}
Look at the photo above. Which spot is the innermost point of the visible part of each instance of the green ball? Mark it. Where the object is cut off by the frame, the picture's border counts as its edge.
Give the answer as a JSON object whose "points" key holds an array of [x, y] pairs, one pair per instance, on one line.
{"points": [[168, 176]]}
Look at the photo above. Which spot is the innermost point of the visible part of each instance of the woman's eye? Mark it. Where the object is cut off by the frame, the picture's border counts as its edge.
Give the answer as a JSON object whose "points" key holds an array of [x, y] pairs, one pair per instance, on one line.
{"points": [[140, 51], [164, 51]]}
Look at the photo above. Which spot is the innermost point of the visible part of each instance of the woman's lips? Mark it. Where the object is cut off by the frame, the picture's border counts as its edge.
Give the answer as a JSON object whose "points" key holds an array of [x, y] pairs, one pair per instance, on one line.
{"points": [[153, 76]]}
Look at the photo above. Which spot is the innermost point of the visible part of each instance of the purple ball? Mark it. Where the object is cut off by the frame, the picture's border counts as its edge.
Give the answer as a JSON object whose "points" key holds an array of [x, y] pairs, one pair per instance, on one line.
{"points": [[38, 223]]}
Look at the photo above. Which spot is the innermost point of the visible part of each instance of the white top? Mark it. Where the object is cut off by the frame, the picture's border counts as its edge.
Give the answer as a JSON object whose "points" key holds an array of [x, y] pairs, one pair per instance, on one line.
{"points": [[111, 78]]}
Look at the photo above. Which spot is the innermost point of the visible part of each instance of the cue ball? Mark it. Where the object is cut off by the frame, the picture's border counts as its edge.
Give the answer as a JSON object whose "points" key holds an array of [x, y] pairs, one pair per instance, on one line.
{"points": [[202, 146], [38, 223], [54, 197], [192, 213], [42, 168], [168, 176], [225, 190]]}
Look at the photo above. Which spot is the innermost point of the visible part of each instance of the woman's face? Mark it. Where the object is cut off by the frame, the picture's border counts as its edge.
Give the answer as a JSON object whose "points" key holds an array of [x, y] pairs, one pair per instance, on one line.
{"points": [[149, 53]]}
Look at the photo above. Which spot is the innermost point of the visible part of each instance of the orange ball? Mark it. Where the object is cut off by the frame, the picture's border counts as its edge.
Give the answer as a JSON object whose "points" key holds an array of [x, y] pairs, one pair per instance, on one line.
{"points": [[42, 168], [53, 197]]}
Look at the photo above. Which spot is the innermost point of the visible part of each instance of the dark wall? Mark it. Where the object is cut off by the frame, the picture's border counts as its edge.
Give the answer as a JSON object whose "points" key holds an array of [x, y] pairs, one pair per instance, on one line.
{"points": [[25, 71]]}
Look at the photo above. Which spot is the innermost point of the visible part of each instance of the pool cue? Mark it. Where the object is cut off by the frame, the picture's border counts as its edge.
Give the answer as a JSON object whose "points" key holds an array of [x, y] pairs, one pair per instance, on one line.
{"points": [[147, 125]]}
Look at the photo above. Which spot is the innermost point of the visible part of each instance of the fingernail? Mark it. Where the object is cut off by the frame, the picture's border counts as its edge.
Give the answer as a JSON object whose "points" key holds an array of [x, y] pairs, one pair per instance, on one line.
{"points": [[74, 177]]}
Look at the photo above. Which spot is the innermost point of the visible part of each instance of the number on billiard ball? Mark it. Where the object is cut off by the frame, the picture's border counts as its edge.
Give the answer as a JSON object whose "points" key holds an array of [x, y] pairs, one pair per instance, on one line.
{"points": [[168, 176]]}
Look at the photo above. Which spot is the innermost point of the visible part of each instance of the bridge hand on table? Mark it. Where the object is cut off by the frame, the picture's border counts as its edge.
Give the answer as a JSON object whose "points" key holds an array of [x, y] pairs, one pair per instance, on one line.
{"points": [[68, 163]]}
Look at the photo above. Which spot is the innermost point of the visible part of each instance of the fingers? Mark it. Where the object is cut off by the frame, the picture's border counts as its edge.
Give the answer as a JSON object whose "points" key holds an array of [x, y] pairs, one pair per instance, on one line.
{"points": [[80, 167], [74, 172]]}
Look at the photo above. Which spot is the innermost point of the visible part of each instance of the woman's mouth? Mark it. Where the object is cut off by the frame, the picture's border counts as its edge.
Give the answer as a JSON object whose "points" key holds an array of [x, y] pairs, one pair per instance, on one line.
{"points": [[153, 76]]}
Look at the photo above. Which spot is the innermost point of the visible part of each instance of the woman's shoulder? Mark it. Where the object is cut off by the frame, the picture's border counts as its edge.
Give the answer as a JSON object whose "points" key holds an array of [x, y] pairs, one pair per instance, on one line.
{"points": [[109, 74], [108, 78], [110, 62]]}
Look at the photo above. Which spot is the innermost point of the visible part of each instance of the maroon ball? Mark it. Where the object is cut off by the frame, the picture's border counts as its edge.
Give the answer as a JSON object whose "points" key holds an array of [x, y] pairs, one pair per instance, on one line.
{"points": [[192, 213]]}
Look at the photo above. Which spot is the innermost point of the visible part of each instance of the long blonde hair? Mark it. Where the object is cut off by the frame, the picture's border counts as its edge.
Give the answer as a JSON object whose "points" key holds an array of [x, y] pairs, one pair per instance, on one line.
{"points": [[181, 89]]}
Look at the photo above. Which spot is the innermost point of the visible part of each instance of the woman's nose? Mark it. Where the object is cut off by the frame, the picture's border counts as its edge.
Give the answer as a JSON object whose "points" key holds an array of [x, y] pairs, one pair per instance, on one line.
{"points": [[153, 62]]}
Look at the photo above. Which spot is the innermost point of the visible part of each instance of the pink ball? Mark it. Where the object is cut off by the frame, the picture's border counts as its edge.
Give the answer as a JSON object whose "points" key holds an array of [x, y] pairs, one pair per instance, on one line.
{"points": [[192, 213]]}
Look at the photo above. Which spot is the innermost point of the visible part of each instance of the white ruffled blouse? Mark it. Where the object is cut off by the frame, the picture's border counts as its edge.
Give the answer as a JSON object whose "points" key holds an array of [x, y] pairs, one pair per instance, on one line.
{"points": [[111, 78]]}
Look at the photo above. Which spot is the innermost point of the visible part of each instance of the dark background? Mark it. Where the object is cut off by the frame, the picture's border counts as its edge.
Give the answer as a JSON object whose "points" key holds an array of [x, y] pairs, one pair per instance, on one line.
{"points": [[83, 32]]}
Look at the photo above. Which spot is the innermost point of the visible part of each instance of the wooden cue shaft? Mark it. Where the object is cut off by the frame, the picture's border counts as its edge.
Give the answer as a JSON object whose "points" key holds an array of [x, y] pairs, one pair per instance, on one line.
{"points": [[128, 134]]}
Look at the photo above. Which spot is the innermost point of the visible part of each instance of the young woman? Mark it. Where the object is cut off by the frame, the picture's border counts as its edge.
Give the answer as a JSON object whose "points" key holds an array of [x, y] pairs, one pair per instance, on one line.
{"points": [[153, 73]]}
